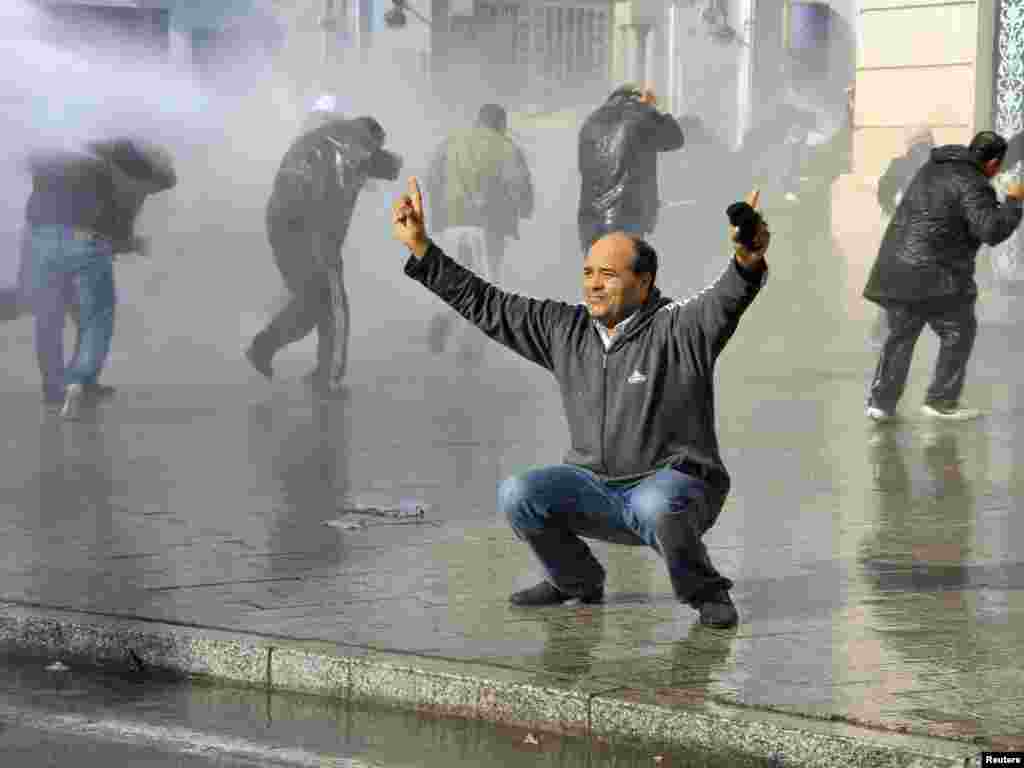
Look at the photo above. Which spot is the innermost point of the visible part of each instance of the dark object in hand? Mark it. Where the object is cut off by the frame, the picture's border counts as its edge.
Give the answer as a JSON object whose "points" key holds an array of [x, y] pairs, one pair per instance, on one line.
{"points": [[384, 165], [747, 221]]}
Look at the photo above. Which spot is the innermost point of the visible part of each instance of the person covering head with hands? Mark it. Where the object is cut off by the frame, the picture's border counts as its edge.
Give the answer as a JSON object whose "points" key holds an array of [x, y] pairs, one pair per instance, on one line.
{"points": [[924, 273], [636, 372], [618, 164]]}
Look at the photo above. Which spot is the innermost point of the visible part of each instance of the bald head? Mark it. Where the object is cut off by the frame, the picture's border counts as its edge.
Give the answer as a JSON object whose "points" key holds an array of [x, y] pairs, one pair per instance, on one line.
{"points": [[618, 275]]}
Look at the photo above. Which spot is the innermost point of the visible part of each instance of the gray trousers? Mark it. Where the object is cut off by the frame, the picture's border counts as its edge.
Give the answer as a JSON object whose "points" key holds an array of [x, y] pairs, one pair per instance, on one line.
{"points": [[318, 300]]}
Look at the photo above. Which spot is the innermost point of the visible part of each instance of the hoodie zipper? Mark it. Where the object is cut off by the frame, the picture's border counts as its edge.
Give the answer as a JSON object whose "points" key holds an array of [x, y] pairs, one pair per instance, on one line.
{"points": [[604, 406]]}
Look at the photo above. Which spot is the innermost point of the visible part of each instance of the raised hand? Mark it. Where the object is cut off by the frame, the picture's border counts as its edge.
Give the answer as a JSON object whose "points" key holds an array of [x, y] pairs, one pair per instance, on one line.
{"points": [[408, 224], [751, 257]]}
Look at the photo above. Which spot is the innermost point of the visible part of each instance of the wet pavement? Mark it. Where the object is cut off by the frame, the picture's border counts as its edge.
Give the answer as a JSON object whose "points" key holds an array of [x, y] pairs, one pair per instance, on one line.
{"points": [[51, 719], [877, 572]]}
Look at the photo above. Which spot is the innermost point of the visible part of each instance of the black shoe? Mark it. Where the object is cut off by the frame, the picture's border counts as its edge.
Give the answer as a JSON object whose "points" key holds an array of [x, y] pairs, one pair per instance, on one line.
{"points": [[717, 610], [320, 387], [546, 593], [259, 361], [98, 393]]}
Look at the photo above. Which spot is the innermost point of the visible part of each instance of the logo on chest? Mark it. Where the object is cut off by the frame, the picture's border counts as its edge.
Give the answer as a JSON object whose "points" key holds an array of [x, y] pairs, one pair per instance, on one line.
{"points": [[636, 377]]}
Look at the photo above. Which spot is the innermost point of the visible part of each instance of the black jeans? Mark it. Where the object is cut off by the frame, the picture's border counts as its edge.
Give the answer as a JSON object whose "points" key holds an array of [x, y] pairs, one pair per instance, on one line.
{"points": [[318, 300], [954, 324]]}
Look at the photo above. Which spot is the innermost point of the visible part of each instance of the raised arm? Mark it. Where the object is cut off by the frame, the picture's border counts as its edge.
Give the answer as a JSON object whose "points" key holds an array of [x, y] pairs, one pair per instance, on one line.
{"points": [[989, 221], [527, 326], [710, 318]]}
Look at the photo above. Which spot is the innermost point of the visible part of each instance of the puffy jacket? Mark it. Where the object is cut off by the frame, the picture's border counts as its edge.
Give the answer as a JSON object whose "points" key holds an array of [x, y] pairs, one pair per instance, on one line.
{"points": [[646, 402], [618, 163], [321, 175], [479, 177], [929, 248]]}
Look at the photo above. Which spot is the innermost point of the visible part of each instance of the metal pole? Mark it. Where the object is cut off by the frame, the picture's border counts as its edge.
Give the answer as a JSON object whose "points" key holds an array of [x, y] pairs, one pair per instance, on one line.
{"points": [[329, 25]]}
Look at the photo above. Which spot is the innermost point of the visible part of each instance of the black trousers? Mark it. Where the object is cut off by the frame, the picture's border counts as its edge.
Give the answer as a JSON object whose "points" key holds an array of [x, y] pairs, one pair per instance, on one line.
{"points": [[318, 300], [954, 324]]}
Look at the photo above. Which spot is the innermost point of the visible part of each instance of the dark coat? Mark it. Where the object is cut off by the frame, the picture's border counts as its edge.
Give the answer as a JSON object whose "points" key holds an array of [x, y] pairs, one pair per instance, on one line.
{"points": [[138, 170], [929, 248], [101, 188], [618, 163], [320, 177], [899, 174]]}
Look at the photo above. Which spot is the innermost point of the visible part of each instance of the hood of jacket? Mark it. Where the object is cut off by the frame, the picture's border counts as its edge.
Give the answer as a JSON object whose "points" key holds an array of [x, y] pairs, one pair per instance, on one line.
{"points": [[953, 153]]}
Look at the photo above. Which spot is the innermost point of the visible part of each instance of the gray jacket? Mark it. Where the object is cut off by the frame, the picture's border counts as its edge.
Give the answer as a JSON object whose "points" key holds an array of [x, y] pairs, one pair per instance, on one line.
{"points": [[645, 403]]}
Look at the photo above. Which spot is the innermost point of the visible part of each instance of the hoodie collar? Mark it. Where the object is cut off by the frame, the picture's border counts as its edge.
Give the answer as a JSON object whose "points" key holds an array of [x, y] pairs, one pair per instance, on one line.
{"points": [[634, 321], [953, 153]]}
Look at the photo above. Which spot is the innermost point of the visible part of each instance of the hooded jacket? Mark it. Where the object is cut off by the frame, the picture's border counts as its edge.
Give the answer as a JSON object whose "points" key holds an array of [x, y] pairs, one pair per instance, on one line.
{"points": [[618, 163], [645, 403], [483, 180], [320, 177], [929, 249]]}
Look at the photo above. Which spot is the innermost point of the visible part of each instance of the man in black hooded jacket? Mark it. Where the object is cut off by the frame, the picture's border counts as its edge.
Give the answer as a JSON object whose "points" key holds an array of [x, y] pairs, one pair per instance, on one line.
{"points": [[924, 273], [618, 163], [308, 216]]}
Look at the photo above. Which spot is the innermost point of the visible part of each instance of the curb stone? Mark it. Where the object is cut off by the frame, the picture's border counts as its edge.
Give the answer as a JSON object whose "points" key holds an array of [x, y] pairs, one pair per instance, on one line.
{"points": [[472, 690]]}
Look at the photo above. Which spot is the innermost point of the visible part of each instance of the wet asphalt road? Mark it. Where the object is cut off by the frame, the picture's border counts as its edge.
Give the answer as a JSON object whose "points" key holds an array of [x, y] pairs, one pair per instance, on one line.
{"points": [[88, 720]]}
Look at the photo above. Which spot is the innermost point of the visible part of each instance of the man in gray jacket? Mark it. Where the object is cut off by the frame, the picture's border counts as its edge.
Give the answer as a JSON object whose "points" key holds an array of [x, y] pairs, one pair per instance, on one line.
{"points": [[636, 372]]}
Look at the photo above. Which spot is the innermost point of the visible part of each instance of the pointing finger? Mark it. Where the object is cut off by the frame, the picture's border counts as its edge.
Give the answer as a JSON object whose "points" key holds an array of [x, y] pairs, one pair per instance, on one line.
{"points": [[417, 197], [754, 198]]}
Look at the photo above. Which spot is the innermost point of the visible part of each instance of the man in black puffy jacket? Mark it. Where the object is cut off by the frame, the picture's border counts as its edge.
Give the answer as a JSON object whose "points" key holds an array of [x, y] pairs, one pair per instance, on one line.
{"points": [[308, 216], [618, 162], [924, 273]]}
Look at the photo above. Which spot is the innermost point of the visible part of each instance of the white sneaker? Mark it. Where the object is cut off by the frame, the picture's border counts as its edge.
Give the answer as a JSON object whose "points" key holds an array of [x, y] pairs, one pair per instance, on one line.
{"points": [[956, 413], [73, 397], [875, 413]]}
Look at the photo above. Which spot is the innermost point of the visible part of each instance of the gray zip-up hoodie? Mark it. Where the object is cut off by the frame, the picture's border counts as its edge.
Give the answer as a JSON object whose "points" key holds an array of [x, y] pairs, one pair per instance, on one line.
{"points": [[645, 403]]}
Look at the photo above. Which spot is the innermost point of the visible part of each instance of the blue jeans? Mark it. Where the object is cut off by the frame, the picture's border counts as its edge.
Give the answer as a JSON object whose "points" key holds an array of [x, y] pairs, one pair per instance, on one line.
{"points": [[553, 507], [65, 264]]}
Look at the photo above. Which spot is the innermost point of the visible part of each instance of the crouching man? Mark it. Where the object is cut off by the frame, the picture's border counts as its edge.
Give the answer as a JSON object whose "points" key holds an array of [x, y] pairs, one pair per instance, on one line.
{"points": [[635, 369]]}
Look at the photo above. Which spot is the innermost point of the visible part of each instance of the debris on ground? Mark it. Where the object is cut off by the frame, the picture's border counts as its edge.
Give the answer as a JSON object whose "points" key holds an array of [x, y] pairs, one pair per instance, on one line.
{"points": [[404, 510], [347, 525]]}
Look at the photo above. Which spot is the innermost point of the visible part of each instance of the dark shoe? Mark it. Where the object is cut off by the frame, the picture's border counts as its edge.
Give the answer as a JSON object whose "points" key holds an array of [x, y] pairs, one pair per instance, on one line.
{"points": [[546, 593], [98, 393], [338, 392], [259, 360], [717, 610], [320, 387]]}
